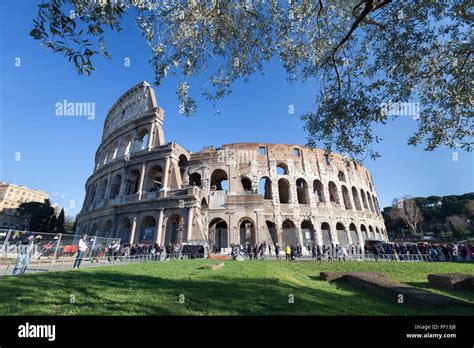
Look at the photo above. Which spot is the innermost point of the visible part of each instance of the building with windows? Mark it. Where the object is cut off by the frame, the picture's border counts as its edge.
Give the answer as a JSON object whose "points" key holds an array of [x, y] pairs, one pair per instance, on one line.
{"points": [[146, 190], [11, 196]]}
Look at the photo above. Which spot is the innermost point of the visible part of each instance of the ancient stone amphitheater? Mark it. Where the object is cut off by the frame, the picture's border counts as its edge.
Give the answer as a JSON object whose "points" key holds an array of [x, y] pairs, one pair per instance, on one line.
{"points": [[144, 189]]}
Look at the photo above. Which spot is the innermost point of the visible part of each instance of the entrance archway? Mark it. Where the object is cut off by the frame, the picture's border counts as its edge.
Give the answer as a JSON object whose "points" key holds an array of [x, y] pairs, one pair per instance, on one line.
{"points": [[247, 232], [218, 232]]}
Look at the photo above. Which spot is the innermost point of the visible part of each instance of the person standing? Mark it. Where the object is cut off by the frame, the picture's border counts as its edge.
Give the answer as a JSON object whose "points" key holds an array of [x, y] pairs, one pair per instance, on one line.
{"points": [[23, 257], [81, 252], [277, 251]]}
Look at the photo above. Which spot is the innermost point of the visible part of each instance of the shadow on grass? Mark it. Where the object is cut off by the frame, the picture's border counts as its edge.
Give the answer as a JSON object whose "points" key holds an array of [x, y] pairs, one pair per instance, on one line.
{"points": [[462, 294], [104, 292]]}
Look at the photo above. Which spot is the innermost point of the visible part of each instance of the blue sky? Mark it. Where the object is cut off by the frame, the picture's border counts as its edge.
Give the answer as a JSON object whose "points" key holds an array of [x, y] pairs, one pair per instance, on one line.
{"points": [[57, 153]]}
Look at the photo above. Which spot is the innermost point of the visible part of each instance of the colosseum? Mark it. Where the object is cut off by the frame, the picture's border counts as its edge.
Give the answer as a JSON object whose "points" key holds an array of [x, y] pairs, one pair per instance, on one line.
{"points": [[146, 190]]}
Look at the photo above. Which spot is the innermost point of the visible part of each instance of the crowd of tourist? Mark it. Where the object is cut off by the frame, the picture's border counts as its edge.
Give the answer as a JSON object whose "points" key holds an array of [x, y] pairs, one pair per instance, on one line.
{"points": [[436, 251]]}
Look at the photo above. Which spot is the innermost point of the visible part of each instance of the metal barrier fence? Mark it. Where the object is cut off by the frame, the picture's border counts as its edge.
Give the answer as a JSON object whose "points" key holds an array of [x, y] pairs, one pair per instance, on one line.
{"points": [[51, 245], [60, 264]]}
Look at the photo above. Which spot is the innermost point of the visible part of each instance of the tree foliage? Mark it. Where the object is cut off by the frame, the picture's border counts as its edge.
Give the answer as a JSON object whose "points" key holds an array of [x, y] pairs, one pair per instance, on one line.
{"points": [[363, 55], [440, 214]]}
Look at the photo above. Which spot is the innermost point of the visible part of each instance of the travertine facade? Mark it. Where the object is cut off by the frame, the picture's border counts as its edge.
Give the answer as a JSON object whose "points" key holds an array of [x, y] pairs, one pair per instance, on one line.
{"points": [[144, 189]]}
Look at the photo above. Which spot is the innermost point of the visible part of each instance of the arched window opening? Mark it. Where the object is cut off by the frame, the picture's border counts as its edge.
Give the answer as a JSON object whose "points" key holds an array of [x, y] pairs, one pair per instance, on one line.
{"points": [[195, 179], [284, 191], [115, 188], [307, 230], [183, 168], [369, 200], [246, 184], [132, 183], [353, 232], [282, 169], [272, 231], [318, 190], [265, 187], [333, 196], [143, 139], [155, 179], [364, 200], [127, 144], [326, 234], [341, 234], [102, 189], [355, 195], [219, 180], [289, 235], [302, 191], [346, 198], [364, 233], [247, 232], [341, 176]]}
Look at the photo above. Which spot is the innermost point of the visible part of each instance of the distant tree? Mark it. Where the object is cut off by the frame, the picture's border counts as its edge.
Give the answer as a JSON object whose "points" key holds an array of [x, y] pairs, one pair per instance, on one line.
{"points": [[60, 228], [369, 58], [38, 213], [52, 224], [70, 224], [458, 225], [407, 210]]}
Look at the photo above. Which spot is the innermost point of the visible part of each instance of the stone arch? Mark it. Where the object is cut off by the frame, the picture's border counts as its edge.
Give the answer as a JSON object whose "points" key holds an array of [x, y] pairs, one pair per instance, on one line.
{"points": [[364, 200], [371, 232], [124, 231], [183, 164], [318, 190], [353, 233], [369, 200], [93, 230], [377, 233], [174, 232], [246, 183], [341, 234], [355, 196], [143, 138], [132, 184], [302, 191], [147, 229], [247, 231], [265, 187], [333, 195], [114, 149], [346, 198], [308, 232], [102, 190], [272, 230], [204, 204], [218, 233], [341, 176], [195, 179], [284, 191], [282, 168], [127, 145], [115, 186], [363, 232], [219, 180], [154, 179], [326, 234], [106, 231], [289, 236]]}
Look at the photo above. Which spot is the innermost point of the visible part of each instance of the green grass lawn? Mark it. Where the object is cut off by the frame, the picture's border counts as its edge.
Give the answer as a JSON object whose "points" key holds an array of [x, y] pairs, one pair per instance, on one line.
{"points": [[239, 288]]}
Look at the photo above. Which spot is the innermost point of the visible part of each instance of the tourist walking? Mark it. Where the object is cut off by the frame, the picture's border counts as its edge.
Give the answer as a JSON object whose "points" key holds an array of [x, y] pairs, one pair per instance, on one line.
{"points": [[277, 251], [81, 252], [24, 254]]}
